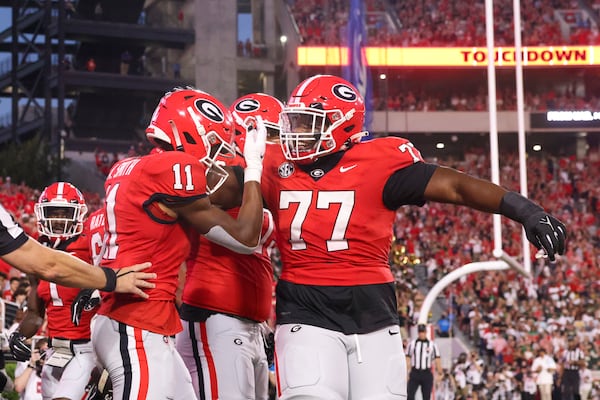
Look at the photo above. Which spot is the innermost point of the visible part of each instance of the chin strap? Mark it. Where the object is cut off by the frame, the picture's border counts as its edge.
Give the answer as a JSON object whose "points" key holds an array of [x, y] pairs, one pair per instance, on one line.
{"points": [[356, 138], [56, 243]]}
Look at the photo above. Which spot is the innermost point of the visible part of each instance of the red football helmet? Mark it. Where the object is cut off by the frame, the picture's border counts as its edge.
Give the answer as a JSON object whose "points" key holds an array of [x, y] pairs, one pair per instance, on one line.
{"points": [[60, 211], [324, 115], [194, 122], [248, 107]]}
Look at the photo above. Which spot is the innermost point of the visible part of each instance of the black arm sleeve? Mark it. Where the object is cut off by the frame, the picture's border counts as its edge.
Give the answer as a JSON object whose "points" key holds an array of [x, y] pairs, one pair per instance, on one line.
{"points": [[407, 185]]}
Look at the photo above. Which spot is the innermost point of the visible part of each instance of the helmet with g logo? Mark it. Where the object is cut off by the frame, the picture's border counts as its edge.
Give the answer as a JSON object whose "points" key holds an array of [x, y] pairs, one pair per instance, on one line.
{"points": [[325, 114], [194, 122], [60, 211], [248, 107]]}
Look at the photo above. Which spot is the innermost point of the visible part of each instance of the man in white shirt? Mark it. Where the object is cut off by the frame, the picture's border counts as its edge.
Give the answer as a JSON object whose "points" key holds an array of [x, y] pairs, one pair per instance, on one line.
{"points": [[585, 387], [544, 366]]}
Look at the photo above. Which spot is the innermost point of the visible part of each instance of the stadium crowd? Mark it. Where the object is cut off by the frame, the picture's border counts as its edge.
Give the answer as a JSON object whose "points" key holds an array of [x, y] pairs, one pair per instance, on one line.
{"points": [[446, 23], [506, 100]]}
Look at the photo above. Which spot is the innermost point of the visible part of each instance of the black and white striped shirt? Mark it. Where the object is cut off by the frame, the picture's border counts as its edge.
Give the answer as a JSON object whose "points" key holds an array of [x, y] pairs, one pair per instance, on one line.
{"points": [[422, 353], [572, 358], [11, 235]]}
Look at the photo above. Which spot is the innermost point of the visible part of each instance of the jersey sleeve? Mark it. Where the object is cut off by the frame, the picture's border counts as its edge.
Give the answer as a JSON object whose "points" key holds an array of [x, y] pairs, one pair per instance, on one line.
{"points": [[408, 174], [407, 186]]}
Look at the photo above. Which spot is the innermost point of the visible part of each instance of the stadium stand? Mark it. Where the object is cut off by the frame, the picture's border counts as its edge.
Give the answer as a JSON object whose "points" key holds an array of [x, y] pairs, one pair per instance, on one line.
{"points": [[447, 23]]}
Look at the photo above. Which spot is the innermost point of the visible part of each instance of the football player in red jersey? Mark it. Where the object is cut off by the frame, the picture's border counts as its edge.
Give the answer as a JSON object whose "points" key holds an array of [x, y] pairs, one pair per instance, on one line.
{"points": [[333, 199], [150, 202], [60, 213], [227, 296]]}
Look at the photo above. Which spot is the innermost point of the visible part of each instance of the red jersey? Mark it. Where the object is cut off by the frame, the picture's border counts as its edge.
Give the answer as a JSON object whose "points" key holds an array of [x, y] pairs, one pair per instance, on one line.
{"points": [[332, 226], [58, 299], [138, 230], [221, 280]]}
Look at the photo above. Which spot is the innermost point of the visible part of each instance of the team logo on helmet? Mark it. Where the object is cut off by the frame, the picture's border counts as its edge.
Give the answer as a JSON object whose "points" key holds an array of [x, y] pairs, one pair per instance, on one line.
{"points": [[210, 110], [344, 92], [247, 105], [286, 169]]}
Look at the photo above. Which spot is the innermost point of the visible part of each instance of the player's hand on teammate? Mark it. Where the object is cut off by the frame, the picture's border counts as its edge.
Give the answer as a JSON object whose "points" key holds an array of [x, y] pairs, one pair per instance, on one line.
{"points": [[87, 299], [254, 150], [18, 346], [131, 280], [546, 232]]}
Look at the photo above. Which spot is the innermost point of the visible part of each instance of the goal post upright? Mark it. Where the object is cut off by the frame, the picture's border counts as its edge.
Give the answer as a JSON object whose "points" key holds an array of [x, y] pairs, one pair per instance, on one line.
{"points": [[504, 261]]}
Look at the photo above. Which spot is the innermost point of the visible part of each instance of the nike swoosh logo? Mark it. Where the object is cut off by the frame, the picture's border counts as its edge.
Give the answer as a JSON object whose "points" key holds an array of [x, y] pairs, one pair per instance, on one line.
{"points": [[391, 332], [346, 169]]}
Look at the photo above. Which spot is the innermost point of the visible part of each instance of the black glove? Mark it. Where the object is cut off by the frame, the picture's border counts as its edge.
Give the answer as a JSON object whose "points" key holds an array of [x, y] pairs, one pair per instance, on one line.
{"points": [[19, 349], [87, 299], [542, 229], [547, 232]]}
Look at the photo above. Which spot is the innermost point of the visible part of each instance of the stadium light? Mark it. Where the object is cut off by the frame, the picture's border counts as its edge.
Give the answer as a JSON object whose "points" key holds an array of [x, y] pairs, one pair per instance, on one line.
{"points": [[283, 39], [537, 147], [382, 76]]}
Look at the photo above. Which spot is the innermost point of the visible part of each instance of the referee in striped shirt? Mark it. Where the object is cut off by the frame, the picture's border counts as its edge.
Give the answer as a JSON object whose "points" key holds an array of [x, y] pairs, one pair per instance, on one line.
{"points": [[572, 361], [420, 354]]}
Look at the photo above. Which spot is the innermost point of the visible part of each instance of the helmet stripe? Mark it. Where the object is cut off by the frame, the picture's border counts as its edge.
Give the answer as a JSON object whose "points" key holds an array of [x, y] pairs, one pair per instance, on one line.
{"points": [[307, 82], [60, 190]]}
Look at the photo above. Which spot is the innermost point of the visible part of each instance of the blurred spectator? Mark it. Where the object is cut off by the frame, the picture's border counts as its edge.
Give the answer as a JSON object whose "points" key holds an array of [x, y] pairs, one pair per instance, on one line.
{"points": [[69, 8], [104, 162], [142, 18], [20, 296], [545, 367], [586, 379], [248, 48], [67, 63], [4, 276], [180, 17], [98, 12], [12, 288], [443, 326], [125, 62], [90, 65], [142, 64]]}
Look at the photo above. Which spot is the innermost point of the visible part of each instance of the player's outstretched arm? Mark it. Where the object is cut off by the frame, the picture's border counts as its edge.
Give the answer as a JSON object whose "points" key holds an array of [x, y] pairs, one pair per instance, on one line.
{"points": [[67, 270], [448, 185]]}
